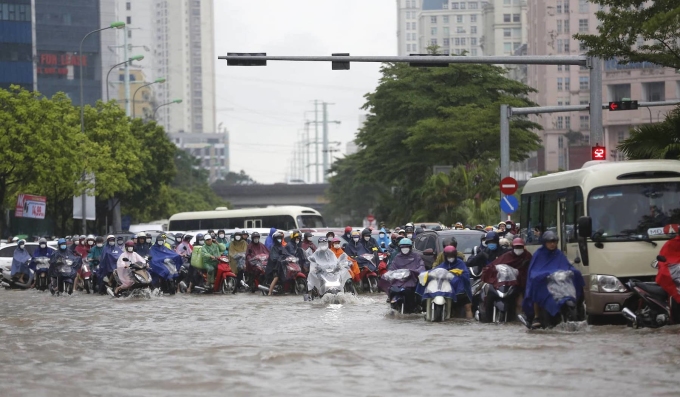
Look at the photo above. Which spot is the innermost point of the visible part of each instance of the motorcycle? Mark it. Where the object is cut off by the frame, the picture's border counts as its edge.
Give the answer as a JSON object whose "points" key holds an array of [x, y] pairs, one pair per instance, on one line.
{"points": [[497, 300], [438, 295], [42, 268], [255, 271], [183, 275], [382, 266], [561, 286], [650, 305], [139, 273], [225, 279], [476, 285], [84, 277], [66, 270], [398, 296], [367, 274], [329, 277], [9, 282], [165, 275], [295, 280]]}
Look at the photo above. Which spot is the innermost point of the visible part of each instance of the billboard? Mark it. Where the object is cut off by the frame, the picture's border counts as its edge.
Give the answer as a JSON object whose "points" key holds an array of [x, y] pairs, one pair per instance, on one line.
{"points": [[30, 206]]}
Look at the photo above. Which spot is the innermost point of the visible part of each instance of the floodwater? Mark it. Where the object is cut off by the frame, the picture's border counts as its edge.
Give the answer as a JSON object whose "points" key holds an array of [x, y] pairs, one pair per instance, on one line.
{"points": [[252, 345]]}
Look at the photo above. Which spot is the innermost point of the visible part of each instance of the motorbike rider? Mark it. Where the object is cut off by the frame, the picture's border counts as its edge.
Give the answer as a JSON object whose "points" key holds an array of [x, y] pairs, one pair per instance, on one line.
{"points": [[269, 242], [178, 240], [195, 275], [107, 261], [120, 243], [142, 247], [223, 240], [488, 254], [368, 241], [407, 259], [20, 262], [501, 229], [75, 243], [518, 258], [458, 226], [124, 261], [383, 240], [43, 249], [95, 254], [348, 233], [452, 242], [452, 262], [668, 268], [295, 249], [409, 229], [336, 247], [237, 255], [60, 254], [307, 242], [277, 254], [211, 253], [255, 247], [545, 261], [83, 248], [184, 248], [330, 236]]}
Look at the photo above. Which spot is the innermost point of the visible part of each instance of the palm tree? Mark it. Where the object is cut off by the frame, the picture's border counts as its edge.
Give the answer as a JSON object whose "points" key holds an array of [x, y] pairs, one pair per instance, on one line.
{"points": [[655, 141]]}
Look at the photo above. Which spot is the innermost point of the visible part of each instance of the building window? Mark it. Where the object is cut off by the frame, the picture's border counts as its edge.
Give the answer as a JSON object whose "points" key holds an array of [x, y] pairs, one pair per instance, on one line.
{"points": [[515, 18], [584, 83], [560, 122], [454, 6], [129, 20], [408, 47], [566, 68], [473, 5], [456, 41], [565, 6], [473, 18], [446, 19], [507, 17], [128, 6], [583, 6], [559, 68], [566, 26], [584, 122], [507, 33], [462, 5], [560, 84], [583, 25], [583, 101], [567, 122], [433, 41], [560, 142], [473, 41], [473, 30], [460, 29], [618, 91], [559, 46], [459, 18], [462, 41], [621, 136], [446, 42], [507, 48], [559, 26], [566, 46], [567, 83], [445, 6], [516, 32], [473, 52], [433, 31], [129, 33], [559, 6], [653, 92], [446, 30], [433, 19]]}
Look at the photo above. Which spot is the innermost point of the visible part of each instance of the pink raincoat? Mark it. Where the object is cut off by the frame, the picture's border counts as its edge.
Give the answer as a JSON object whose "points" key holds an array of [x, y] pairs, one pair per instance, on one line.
{"points": [[123, 273]]}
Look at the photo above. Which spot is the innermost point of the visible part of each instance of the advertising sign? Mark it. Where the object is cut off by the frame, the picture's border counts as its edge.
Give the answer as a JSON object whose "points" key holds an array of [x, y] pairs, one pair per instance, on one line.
{"points": [[29, 206]]}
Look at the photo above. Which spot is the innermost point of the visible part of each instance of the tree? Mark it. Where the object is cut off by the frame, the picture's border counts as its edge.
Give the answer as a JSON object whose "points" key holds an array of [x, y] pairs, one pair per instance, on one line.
{"points": [[421, 117], [655, 141], [233, 178], [624, 22]]}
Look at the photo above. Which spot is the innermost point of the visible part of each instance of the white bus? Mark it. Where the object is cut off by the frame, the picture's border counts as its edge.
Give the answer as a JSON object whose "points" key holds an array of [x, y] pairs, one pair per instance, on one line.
{"points": [[283, 218], [612, 219]]}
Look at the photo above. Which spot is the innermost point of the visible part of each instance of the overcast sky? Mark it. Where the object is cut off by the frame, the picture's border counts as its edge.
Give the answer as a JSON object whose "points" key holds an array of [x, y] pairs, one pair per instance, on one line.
{"points": [[264, 107]]}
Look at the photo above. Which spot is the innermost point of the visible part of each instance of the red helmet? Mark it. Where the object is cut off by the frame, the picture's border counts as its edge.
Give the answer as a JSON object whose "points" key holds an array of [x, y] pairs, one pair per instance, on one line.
{"points": [[348, 229], [518, 242], [449, 251], [130, 243]]}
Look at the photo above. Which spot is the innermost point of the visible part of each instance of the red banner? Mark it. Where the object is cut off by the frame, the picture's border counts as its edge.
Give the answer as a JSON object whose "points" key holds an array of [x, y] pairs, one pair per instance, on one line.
{"points": [[29, 206]]}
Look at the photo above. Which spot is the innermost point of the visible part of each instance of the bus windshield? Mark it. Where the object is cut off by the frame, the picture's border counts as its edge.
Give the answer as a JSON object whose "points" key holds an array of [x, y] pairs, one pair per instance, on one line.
{"points": [[643, 210], [310, 221]]}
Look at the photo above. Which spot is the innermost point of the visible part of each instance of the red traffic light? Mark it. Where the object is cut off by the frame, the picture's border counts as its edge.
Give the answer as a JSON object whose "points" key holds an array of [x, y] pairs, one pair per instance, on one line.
{"points": [[613, 106], [623, 105], [598, 153]]}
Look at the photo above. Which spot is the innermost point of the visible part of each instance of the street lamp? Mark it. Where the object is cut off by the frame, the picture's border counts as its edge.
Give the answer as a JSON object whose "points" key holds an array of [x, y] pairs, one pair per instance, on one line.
{"points": [[115, 25], [165, 104], [134, 58], [134, 109]]}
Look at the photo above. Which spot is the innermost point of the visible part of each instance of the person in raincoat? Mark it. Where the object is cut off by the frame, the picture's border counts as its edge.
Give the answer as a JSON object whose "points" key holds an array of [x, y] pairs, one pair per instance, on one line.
{"points": [[237, 255], [158, 253], [461, 284], [223, 240], [124, 261], [336, 248], [405, 259], [669, 270], [108, 261], [95, 253], [546, 260], [20, 262], [325, 258], [275, 265], [383, 240], [211, 253], [269, 242]]}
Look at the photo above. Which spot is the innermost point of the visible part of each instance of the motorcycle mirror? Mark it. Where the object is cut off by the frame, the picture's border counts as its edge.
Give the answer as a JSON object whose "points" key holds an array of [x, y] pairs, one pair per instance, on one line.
{"points": [[577, 260], [661, 258], [654, 264]]}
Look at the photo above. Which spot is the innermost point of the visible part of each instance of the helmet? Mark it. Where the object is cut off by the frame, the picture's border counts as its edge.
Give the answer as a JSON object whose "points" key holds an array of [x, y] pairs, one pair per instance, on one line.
{"points": [[129, 244], [330, 234], [450, 251], [410, 224], [255, 235], [187, 237], [458, 225], [489, 228], [405, 242], [366, 232], [178, 236], [550, 236], [160, 238], [355, 233], [504, 242], [452, 242], [99, 239], [44, 241], [402, 232], [335, 240], [210, 231], [518, 242], [148, 235], [492, 236], [322, 239], [140, 235], [479, 227], [348, 229], [408, 229], [83, 237], [307, 235], [110, 237], [199, 236], [60, 241], [220, 231], [501, 224], [244, 232], [74, 238], [277, 234], [295, 234]]}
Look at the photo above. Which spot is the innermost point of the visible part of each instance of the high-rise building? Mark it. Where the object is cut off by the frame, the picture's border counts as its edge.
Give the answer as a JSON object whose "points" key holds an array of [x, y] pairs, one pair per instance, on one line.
{"points": [[505, 26], [139, 18], [185, 55], [16, 44], [212, 149], [552, 24]]}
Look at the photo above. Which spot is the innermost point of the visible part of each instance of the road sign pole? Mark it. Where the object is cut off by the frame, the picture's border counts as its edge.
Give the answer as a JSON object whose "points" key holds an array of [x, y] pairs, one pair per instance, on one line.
{"points": [[505, 146]]}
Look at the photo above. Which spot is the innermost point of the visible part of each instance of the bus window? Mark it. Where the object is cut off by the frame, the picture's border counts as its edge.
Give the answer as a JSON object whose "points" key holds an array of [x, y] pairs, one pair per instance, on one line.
{"points": [[532, 228], [549, 212], [310, 221]]}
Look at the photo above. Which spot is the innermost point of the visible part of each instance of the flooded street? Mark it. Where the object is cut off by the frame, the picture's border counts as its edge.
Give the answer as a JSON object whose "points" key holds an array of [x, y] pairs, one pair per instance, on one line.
{"points": [[251, 345]]}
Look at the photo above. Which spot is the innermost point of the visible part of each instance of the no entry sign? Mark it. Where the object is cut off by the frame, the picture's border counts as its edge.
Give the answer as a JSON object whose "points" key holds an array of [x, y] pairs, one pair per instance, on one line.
{"points": [[509, 185]]}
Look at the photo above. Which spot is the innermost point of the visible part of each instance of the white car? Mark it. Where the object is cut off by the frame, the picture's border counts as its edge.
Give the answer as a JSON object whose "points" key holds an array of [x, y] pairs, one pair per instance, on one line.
{"points": [[7, 252]]}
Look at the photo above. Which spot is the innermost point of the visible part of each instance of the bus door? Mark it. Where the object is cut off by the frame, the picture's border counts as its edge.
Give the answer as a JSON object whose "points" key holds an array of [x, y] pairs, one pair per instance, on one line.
{"points": [[253, 224], [562, 224]]}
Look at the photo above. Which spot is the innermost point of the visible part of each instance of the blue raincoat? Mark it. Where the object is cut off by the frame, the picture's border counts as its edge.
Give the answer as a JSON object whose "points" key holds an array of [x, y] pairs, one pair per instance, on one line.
{"points": [[461, 284], [108, 262], [41, 252], [159, 253], [269, 243], [544, 263], [385, 240], [20, 261]]}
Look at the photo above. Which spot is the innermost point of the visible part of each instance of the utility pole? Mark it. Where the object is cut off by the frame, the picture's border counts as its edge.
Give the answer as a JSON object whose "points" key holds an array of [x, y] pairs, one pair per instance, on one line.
{"points": [[326, 152], [316, 139], [307, 143]]}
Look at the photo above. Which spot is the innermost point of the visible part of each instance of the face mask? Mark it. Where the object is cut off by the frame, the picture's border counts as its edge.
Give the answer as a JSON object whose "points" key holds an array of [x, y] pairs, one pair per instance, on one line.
{"points": [[323, 246], [148, 241], [450, 260], [62, 247], [130, 249], [43, 245], [382, 235], [237, 238], [90, 243], [278, 240], [297, 241], [119, 242], [21, 246], [405, 251], [200, 242], [256, 240], [100, 245], [112, 243], [518, 251], [355, 238], [160, 242], [336, 246], [76, 242], [492, 246], [178, 240], [367, 238], [221, 235], [410, 235]]}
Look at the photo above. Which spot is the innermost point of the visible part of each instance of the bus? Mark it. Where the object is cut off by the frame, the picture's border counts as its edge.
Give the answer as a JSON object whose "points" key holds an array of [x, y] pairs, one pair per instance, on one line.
{"points": [[612, 219], [283, 218]]}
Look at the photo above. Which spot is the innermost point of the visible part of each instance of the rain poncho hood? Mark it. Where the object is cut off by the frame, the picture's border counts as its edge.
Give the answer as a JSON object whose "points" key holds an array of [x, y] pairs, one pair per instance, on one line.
{"points": [[108, 260], [20, 261], [322, 260], [670, 270], [544, 263], [159, 266], [184, 248], [383, 243], [269, 243]]}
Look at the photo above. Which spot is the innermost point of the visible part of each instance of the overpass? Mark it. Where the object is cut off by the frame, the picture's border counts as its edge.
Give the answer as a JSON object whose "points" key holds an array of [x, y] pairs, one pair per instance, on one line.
{"points": [[246, 196]]}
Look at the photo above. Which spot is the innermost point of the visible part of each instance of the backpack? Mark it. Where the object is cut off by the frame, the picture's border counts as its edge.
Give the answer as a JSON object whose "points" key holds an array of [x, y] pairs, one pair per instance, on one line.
{"points": [[197, 258]]}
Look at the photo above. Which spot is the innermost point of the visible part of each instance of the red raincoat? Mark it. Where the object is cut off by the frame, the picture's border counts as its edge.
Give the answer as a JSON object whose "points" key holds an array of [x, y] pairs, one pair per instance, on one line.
{"points": [[671, 250]]}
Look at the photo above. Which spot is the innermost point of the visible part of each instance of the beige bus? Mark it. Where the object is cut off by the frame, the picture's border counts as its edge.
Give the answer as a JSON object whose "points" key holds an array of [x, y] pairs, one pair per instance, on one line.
{"points": [[612, 219]]}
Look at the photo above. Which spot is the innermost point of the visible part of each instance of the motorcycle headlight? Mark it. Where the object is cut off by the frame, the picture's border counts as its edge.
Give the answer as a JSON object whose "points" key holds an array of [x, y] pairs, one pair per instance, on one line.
{"points": [[139, 278], [604, 283]]}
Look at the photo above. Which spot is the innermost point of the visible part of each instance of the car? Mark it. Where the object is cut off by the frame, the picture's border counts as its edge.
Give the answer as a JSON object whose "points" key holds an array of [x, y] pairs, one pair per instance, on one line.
{"points": [[7, 252], [430, 243]]}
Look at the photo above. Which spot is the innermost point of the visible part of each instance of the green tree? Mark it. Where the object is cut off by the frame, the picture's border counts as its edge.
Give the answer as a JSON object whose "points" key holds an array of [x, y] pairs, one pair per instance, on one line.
{"points": [[623, 22], [234, 178], [654, 141]]}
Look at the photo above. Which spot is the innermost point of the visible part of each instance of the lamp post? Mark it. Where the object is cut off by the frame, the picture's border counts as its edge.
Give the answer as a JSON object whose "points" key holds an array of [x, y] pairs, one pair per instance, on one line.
{"points": [[115, 25], [134, 109], [165, 104], [134, 58]]}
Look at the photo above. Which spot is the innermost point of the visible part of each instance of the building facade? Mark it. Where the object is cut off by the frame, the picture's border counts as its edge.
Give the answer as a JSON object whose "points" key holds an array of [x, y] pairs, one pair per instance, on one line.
{"points": [[143, 103], [552, 24], [138, 17], [16, 44], [505, 26], [212, 149]]}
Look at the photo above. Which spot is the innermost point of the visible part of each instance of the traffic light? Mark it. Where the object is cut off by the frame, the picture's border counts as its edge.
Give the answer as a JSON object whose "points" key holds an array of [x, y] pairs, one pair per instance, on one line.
{"points": [[247, 63], [598, 153], [623, 105]]}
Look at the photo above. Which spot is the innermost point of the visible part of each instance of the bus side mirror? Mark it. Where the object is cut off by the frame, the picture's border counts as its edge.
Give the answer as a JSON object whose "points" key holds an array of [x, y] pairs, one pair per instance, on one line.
{"points": [[585, 226]]}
